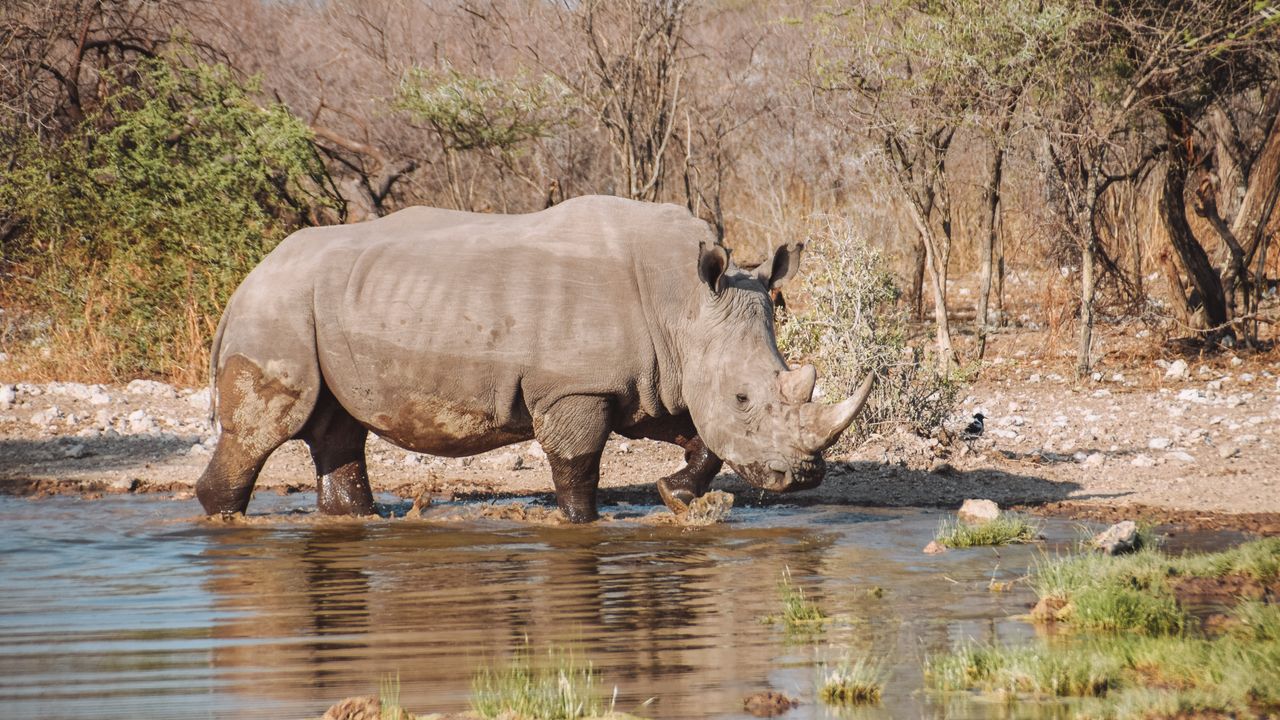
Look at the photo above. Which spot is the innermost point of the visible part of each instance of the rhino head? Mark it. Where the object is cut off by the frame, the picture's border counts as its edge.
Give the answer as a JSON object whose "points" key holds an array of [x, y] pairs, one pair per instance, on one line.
{"points": [[749, 407]]}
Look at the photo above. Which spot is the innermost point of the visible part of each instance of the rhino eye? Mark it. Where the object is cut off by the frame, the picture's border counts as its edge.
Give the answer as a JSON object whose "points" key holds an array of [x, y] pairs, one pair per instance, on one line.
{"points": [[742, 399]]}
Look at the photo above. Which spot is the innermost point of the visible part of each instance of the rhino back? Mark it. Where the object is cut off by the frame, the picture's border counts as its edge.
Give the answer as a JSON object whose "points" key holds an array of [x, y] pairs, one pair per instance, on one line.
{"points": [[449, 331]]}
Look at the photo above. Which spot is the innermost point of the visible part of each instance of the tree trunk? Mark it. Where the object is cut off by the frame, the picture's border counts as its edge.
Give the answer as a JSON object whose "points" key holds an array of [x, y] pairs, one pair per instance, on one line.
{"points": [[1173, 213], [987, 234], [917, 279], [1086, 307], [1087, 226], [938, 286]]}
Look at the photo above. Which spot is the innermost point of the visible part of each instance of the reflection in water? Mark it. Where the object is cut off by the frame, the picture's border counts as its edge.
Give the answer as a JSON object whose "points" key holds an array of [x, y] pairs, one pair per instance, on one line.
{"points": [[139, 618]]}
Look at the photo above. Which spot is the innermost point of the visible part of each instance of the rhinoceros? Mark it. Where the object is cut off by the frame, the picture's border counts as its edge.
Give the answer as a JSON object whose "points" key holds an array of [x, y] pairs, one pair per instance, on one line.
{"points": [[454, 333]]}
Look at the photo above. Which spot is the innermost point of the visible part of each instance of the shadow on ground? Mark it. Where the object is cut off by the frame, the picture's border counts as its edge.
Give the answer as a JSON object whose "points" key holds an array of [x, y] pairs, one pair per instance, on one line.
{"points": [[859, 483], [24, 463]]}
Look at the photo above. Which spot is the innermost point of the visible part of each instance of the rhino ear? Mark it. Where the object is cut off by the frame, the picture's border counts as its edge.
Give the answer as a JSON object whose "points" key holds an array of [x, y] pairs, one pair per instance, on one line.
{"points": [[786, 260], [713, 260]]}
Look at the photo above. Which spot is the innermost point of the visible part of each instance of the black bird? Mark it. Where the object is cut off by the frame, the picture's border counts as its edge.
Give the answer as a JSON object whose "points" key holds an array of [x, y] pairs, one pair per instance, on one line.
{"points": [[973, 430]]}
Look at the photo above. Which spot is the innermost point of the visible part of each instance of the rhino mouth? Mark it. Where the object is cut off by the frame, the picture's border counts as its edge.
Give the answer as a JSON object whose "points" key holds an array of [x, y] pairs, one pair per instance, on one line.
{"points": [[782, 476]]}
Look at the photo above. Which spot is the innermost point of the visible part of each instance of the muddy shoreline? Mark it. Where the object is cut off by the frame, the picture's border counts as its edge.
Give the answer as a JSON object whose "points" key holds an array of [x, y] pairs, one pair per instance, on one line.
{"points": [[1194, 451]]}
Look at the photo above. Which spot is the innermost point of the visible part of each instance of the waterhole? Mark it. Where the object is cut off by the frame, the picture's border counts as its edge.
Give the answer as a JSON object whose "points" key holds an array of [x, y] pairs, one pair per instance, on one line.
{"points": [[134, 607]]}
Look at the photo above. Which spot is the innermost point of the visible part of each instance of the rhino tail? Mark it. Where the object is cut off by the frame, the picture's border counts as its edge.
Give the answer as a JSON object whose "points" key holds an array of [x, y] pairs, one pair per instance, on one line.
{"points": [[215, 349]]}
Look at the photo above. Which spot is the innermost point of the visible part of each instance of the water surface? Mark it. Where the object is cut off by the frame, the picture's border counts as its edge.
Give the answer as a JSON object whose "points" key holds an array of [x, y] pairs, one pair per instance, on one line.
{"points": [[132, 607]]}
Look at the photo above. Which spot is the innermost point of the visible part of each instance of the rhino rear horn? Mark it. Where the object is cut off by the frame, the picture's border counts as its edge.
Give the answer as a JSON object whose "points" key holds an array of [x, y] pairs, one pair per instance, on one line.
{"points": [[831, 420], [797, 385]]}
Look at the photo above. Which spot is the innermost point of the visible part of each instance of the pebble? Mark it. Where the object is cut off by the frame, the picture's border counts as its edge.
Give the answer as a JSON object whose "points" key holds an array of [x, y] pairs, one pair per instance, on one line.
{"points": [[1159, 443], [76, 451], [1180, 456], [199, 400], [1226, 452], [7, 395], [1095, 459], [1142, 461], [1177, 370]]}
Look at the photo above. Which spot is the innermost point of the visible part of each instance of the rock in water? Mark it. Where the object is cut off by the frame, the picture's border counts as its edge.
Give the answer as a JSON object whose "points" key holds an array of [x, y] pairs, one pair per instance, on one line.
{"points": [[934, 548], [977, 512], [1118, 539], [768, 703], [709, 509], [355, 708]]}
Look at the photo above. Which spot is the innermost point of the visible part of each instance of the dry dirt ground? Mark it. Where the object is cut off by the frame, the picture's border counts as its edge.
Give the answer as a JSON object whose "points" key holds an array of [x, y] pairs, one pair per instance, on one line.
{"points": [[1146, 441]]}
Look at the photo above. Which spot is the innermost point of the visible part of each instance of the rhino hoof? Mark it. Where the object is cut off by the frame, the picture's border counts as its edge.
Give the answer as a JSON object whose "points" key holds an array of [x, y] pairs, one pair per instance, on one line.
{"points": [[677, 500]]}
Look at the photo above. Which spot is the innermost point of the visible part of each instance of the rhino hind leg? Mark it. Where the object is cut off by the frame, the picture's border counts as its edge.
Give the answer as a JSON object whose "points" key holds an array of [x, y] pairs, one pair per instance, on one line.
{"points": [[258, 411], [337, 441], [573, 434]]}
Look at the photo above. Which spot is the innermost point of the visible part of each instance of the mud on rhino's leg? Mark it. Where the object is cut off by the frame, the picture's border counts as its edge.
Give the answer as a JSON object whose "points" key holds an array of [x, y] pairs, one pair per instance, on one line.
{"points": [[337, 444], [701, 465], [258, 412], [691, 481], [573, 432]]}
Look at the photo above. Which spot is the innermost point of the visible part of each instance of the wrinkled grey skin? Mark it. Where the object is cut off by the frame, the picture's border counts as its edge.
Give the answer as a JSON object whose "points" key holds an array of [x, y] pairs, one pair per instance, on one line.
{"points": [[454, 333]]}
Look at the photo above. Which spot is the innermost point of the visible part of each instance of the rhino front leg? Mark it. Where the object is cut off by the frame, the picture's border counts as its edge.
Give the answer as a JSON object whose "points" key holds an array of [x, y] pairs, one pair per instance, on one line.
{"points": [[573, 434], [691, 481], [701, 465]]}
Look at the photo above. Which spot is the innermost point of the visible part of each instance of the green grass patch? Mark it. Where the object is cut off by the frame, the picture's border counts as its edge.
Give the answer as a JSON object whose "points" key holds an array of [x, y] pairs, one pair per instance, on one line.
{"points": [[563, 687], [799, 613], [852, 682], [1006, 529], [1135, 592], [1137, 654]]}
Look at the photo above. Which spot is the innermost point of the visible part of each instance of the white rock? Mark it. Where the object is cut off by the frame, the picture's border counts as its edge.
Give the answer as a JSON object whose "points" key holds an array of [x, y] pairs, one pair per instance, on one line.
{"points": [[1101, 393], [1118, 539], [1096, 377], [624, 447], [1142, 461], [1236, 361], [978, 511], [152, 388], [99, 397], [77, 451], [1213, 385], [1035, 378], [1159, 443], [199, 400], [536, 451], [1095, 459], [1191, 395], [7, 395], [1177, 370], [198, 449], [1246, 377], [1117, 378], [1180, 456], [1226, 452], [46, 416]]}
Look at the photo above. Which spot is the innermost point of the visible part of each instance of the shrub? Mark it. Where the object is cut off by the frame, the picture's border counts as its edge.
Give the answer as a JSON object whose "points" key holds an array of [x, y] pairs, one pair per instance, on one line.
{"points": [[849, 324], [140, 224]]}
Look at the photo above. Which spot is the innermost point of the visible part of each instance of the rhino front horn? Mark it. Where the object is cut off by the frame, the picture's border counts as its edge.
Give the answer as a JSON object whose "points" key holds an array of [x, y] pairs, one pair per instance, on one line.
{"points": [[831, 420]]}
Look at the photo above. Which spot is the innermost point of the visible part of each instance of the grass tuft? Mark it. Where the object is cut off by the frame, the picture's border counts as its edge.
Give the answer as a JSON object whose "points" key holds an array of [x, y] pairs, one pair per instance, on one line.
{"points": [[564, 688], [1006, 529], [799, 613], [856, 682], [389, 699]]}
